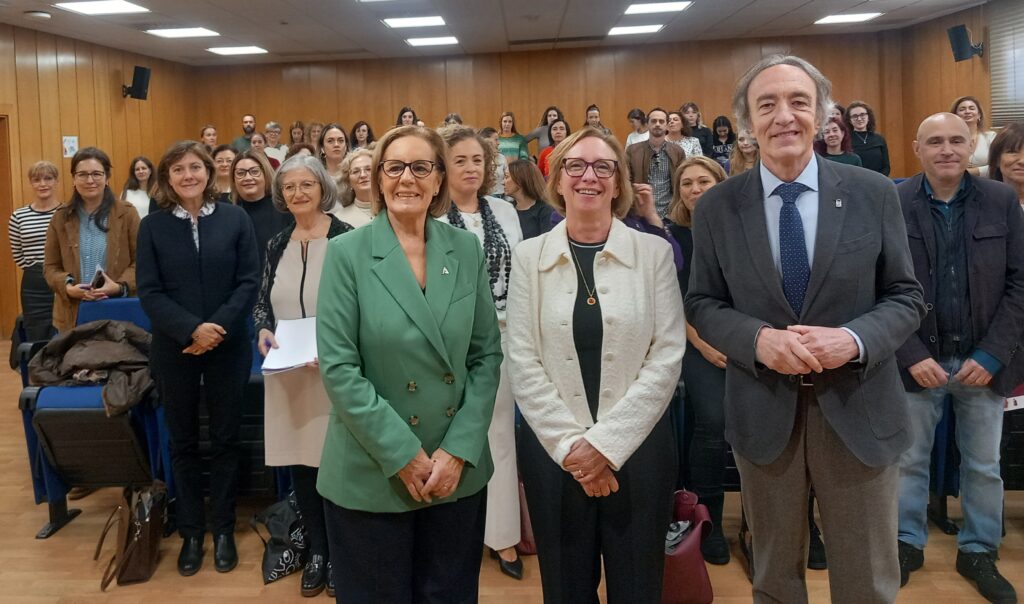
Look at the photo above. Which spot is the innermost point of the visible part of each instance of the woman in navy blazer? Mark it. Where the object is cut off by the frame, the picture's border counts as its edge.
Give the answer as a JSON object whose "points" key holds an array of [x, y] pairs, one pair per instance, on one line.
{"points": [[197, 278]]}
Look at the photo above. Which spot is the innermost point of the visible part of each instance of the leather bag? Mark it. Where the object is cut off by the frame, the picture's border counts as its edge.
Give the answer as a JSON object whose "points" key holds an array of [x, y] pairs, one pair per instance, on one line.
{"points": [[527, 543], [140, 527], [284, 552], [686, 578]]}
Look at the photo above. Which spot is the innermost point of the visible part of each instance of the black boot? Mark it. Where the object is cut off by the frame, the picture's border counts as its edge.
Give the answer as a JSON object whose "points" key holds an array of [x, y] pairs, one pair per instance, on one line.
{"points": [[225, 555], [314, 576], [715, 548], [190, 560]]}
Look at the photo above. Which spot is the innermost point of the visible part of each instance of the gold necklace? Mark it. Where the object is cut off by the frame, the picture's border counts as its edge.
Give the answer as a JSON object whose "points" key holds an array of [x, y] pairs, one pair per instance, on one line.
{"points": [[591, 293]]}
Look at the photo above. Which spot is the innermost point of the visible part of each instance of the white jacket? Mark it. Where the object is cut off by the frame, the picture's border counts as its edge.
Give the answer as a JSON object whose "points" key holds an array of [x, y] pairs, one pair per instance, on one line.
{"points": [[642, 351]]}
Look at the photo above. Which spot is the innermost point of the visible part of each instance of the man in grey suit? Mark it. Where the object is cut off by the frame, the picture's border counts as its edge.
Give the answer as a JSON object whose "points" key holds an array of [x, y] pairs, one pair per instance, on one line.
{"points": [[802, 277]]}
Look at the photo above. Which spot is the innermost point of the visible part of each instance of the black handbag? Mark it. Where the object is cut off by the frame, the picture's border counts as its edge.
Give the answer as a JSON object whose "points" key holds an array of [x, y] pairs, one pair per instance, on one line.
{"points": [[140, 527], [284, 552]]}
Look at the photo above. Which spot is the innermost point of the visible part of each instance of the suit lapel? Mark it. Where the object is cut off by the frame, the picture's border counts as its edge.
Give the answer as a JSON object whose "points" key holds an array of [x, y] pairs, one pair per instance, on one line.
{"points": [[755, 230], [442, 271], [395, 274], [833, 201]]}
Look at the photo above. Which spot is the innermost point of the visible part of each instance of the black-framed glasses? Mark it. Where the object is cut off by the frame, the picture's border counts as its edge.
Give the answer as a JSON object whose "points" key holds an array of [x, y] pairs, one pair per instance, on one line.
{"points": [[253, 171], [84, 176], [421, 168], [857, 116], [603, 168]]}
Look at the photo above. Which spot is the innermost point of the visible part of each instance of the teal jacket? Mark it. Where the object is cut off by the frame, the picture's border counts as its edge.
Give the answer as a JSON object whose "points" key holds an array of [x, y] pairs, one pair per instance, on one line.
{"points": [[404, 368]]}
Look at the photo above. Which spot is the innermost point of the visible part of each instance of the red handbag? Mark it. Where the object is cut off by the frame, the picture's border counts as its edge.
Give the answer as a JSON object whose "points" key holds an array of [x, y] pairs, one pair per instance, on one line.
{"points": [[686, 578]]}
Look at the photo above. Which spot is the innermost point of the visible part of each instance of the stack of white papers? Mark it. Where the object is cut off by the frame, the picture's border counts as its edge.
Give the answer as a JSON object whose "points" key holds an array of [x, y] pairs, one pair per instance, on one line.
{"points": [[296, 346]]}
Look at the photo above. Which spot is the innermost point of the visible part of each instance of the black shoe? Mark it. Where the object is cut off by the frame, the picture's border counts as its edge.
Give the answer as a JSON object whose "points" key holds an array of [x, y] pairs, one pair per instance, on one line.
{"points": [[513, 569], [225, 556], [911, 559], [190, 560], [330, 580], [816, 558], [981, 568], [715, 548], [314, 576]]}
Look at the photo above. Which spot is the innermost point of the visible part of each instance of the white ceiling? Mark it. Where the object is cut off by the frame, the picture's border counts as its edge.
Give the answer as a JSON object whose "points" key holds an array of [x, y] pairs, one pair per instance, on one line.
{"points": [[314, 30]]}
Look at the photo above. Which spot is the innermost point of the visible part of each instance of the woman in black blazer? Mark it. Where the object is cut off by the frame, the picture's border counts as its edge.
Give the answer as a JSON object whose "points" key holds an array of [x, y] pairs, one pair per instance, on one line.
{"points": [[197, 276]]}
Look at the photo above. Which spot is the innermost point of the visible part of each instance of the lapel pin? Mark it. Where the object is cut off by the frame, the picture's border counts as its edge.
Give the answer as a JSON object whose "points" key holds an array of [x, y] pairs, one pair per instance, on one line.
{"points": [[839, 203], [444, 270]]}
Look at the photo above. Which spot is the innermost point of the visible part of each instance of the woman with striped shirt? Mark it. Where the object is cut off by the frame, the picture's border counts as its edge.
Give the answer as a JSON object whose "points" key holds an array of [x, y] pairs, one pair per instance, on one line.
{"points": [[27, 231]]}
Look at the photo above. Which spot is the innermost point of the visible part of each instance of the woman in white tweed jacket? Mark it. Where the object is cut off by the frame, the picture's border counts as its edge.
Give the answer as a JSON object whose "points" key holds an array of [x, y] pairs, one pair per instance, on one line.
{"points": [[596, 338]]}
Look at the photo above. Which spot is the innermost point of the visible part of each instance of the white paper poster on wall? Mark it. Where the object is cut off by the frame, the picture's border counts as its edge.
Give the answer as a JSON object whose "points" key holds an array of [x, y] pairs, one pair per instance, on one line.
{"points": [[70, 144]]}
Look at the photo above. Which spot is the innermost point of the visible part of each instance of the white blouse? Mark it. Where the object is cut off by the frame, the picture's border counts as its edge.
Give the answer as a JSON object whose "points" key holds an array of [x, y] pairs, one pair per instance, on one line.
{"points": [[979, 158], [356, 214], [139, 199]]}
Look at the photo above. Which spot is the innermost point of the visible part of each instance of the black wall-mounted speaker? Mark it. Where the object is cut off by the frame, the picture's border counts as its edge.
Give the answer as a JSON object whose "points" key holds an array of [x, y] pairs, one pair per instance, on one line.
{"points": [[960, 42], [140, 84]]}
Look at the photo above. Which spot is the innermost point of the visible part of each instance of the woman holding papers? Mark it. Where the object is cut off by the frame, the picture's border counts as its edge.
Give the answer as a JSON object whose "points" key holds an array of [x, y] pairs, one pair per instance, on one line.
{"points": [[197, 278], [409, 352], [296, 404]]}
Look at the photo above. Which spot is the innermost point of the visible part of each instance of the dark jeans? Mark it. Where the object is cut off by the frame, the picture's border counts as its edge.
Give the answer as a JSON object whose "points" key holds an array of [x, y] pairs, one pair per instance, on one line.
{"points": [[223, 372], [311, 505], [427, 556], [627, 529], [705, 421]]}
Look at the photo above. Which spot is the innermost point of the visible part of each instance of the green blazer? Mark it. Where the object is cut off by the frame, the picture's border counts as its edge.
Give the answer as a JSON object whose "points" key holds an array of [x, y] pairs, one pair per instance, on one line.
{"points": [[404, 368]]}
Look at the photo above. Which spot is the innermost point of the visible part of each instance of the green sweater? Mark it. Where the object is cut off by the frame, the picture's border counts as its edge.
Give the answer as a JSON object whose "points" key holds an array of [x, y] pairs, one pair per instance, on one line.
{"points": [[513, 147], [846, 158]]}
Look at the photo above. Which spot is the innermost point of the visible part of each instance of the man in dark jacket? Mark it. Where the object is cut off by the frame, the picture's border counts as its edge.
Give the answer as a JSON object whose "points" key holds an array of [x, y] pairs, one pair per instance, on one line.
{"points": [[653, 162], [967, 242]]}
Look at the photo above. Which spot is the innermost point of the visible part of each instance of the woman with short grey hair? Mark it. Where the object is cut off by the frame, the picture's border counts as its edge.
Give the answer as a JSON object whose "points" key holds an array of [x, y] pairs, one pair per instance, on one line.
{"points": [[296, 406], [354, 188]]}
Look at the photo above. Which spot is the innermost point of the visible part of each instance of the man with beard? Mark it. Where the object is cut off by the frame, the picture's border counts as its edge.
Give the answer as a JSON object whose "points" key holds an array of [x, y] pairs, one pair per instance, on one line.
{"points": [[652, 162], [242, 143]]}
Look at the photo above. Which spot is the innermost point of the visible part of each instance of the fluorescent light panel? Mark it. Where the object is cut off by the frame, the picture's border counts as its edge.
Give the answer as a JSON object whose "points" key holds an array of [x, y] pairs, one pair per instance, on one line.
{"points": [[657, 7], [413, 22], [634, 29], [238, 50], [852, 18], [441, 41], [102, 7], [183, 32]]}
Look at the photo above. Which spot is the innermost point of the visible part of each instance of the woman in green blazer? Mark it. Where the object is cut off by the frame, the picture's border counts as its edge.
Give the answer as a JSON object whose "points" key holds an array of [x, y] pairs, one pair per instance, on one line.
{"points": [[409, 351]]}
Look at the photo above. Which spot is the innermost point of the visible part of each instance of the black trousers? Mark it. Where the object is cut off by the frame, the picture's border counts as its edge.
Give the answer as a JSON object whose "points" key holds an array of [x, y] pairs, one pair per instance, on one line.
{"points": [[311, 504], [223, 372], [427, 556], [705, 424], [627, 528], [36, 304]]}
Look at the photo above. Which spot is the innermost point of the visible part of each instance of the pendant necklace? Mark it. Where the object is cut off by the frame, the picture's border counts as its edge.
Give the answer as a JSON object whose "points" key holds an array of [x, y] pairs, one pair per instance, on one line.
{"points": [[863, 139], [591, 293]]}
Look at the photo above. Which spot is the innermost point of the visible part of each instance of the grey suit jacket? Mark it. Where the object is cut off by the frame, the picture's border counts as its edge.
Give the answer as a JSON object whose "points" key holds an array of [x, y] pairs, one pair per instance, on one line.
{"points": [[861, 278]]}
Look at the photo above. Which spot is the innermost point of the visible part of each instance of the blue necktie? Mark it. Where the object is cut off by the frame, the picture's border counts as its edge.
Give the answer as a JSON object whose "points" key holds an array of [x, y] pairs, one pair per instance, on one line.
{"points": [[796, 271]]}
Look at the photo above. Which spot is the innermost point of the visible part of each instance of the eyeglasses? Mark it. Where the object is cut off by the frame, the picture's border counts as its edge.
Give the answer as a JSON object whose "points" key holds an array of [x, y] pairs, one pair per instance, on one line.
{"points": [[858, 116], [361, 171], [421, 168], [603, 168], [253, 171], [85, 176], [306, 186]]}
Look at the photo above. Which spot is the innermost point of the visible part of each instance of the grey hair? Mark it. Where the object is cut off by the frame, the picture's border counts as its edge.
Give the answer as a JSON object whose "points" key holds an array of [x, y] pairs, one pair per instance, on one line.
{"points": [[346, 194], [271, 125], [328, 190], [822, 86]]}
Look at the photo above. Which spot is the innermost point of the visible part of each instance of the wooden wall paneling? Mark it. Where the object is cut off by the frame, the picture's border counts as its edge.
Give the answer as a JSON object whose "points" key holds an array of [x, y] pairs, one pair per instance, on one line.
{"points": [[516, 94], [294, 78], [599, 70], [67, 95], [322, 95], [486, 87], [11, 184], [26, 146], [86, 93], [132, 126], [121, 144], [422, 85], [353, 102], [893, 125], [49, 108], [380, 109], [101, 88], [151, 143], [272, 106]]}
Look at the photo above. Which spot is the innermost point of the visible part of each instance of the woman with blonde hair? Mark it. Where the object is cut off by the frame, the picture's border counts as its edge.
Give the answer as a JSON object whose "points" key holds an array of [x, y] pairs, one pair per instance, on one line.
{"points": [[354, 188], [970, 111], [26, 230], [745, 154]]}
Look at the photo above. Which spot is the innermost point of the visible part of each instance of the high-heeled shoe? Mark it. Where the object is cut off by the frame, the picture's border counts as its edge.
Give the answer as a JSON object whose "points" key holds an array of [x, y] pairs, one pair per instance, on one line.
{"points": [[513, 569], [314, 576]]}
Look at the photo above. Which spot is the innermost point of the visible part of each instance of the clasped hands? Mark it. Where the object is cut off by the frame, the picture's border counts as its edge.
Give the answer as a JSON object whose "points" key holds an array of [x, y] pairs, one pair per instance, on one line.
{"points": [[802, 349], [437, 475], [929, 374], [84, 291], [591, 469], [205, 338]]}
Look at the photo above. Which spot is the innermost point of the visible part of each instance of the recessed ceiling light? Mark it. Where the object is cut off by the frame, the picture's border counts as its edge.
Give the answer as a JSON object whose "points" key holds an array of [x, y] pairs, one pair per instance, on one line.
{"points": [[852, 18], [414, 22], [102, 7], [657, 7], [183, 32], [238, 50], [37, 15], [442, 41], [634, 29]]}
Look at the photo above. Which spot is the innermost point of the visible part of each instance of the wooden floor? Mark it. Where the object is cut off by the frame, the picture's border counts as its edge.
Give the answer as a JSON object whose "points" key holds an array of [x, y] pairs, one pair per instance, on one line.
{"points": [[60, 569]]}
